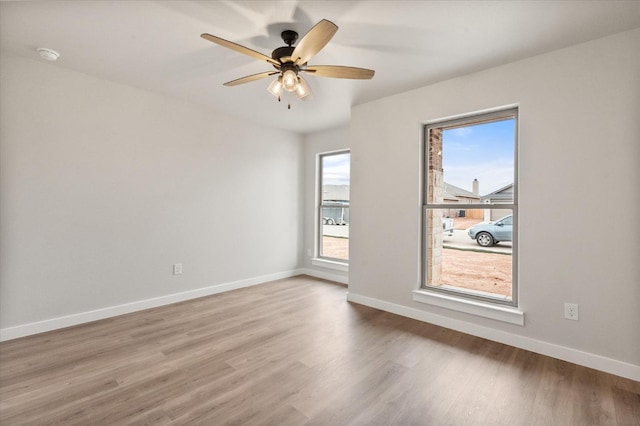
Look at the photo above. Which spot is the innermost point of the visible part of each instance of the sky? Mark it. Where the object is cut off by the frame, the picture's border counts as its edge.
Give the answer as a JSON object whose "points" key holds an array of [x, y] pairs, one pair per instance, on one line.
{"points": [[484, 152], [336, 169]]}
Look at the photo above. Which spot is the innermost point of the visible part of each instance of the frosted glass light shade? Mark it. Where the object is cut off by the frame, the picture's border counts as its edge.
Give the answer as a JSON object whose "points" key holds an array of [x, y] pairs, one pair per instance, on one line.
{"points": [[289, 80], [303, 90], [275, 88]]}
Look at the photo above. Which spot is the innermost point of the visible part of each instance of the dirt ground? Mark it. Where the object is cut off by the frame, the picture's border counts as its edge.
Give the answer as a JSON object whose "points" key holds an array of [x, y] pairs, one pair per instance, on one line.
{"points": [[335, 247], [489, 272]]}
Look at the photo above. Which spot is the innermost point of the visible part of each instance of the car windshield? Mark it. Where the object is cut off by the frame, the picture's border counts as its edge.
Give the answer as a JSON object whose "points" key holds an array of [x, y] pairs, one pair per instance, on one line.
{"points": [[506, 220]]}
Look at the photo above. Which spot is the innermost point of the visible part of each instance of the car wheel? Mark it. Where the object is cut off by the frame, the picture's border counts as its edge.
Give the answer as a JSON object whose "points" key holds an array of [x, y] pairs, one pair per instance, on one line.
{"points": [[331, 221], [484, 239]]}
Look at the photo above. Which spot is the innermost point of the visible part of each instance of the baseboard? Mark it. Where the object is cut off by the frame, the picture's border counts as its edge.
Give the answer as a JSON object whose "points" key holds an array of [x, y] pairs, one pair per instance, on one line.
{"points": [[608, 365], [112, 311], [326, 275]]}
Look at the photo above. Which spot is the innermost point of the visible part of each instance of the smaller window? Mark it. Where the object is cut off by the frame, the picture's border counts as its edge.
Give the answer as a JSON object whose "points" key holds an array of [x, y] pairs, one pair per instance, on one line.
{"points": [[333, 206]]}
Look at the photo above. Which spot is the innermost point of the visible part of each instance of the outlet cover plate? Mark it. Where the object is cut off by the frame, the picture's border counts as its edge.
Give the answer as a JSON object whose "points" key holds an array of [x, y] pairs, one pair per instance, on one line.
{"points": [[571, 311], [177, 269]]}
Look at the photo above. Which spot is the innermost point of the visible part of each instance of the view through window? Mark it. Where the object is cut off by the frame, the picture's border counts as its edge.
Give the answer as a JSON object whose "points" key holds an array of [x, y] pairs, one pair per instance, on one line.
{"points": [[333, 212], [470, 209]]}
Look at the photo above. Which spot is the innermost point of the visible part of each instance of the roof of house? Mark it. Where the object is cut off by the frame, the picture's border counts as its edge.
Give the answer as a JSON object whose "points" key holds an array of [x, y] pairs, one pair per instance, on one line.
{"points": [[504, 193], [452, 191], [502, 190]]}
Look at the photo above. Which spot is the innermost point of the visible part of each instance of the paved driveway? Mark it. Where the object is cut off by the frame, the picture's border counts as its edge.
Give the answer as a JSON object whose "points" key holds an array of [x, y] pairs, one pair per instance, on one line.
{"points": [[336, 231]]}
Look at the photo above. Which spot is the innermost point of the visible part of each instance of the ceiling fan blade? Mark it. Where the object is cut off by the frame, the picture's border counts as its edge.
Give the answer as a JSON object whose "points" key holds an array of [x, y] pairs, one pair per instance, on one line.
{"points": [[313, 41], [336, 71], [238, 48], [250, 78]]}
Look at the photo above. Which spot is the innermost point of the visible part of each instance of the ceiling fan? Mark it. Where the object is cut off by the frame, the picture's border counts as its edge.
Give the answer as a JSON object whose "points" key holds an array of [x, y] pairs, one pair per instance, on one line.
{"points": [[289, 61]]}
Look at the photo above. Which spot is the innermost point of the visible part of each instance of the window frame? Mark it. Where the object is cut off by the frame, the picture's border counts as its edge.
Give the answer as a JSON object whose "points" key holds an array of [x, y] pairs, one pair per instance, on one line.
{"points": [[460, 293], [320, 205]]}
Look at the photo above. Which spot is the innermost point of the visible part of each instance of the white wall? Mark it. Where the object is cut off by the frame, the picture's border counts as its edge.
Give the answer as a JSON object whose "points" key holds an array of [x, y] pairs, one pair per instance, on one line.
{"points": [[579, 151], [318, 143], [105, 187]]}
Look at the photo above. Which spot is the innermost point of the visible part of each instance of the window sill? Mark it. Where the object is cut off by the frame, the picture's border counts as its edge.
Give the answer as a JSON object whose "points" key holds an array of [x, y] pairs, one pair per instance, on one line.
{"points": [[474, 307], [330, 264]]}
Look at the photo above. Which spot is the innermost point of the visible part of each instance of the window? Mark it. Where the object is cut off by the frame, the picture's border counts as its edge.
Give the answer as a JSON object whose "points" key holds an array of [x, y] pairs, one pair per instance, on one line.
{"points": [[470, 212], [333, 206]]}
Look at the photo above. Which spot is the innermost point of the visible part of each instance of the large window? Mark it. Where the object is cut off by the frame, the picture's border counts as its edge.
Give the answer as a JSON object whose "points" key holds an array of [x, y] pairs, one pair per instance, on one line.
{"points": [[333, 206], [470, 212]]}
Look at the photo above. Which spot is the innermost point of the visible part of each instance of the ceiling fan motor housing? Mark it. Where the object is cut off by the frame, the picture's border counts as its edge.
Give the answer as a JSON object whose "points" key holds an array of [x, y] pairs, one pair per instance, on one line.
{"points": [[289, 37], [282, 52]]}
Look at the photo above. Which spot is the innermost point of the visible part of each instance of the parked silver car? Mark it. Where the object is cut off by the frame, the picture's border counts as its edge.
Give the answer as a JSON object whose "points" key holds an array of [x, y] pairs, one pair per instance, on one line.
{"points": [[491, 233]]}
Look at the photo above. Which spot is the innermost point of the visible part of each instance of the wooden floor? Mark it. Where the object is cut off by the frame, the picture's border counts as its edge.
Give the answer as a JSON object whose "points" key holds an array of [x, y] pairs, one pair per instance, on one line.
{"points": [[293, 352]]}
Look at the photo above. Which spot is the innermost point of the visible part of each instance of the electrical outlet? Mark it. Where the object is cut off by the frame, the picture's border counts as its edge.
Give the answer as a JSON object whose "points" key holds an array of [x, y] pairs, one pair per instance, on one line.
{"points": [[177, 269], [571, 311]]}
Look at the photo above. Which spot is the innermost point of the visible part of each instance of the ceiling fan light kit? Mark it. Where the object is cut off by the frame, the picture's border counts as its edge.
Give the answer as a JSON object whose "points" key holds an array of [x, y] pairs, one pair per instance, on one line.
{"points": [[290, 61]]}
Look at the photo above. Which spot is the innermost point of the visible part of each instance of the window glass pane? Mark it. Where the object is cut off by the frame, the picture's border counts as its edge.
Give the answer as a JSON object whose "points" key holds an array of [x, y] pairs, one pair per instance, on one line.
{"points": [[470, 250], [478, 162], [470, 186], [334, 242], [335, 169]]}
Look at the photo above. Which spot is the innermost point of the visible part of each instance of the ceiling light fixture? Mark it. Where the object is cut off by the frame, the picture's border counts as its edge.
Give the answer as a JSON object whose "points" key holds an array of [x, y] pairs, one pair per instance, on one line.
{"points": [[48, 54], [289, 81]]}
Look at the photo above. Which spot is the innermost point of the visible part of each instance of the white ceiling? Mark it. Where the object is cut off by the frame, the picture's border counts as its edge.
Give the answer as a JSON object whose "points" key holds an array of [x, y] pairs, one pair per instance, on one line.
{"points": [[156, 45]]}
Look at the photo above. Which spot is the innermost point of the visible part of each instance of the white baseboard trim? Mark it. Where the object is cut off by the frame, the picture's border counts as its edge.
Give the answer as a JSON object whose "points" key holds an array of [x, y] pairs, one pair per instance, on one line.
{"points": [[112, 311], [342, 279], [608, 365]]}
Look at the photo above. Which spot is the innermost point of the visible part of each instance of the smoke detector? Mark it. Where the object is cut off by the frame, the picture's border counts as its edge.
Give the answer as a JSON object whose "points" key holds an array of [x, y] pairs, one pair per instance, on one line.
{"points": [[48, 54]]}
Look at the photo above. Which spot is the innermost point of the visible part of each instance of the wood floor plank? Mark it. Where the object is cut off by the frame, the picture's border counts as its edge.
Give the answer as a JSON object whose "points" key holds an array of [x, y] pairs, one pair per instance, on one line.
{"points": [[293, 352]]}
